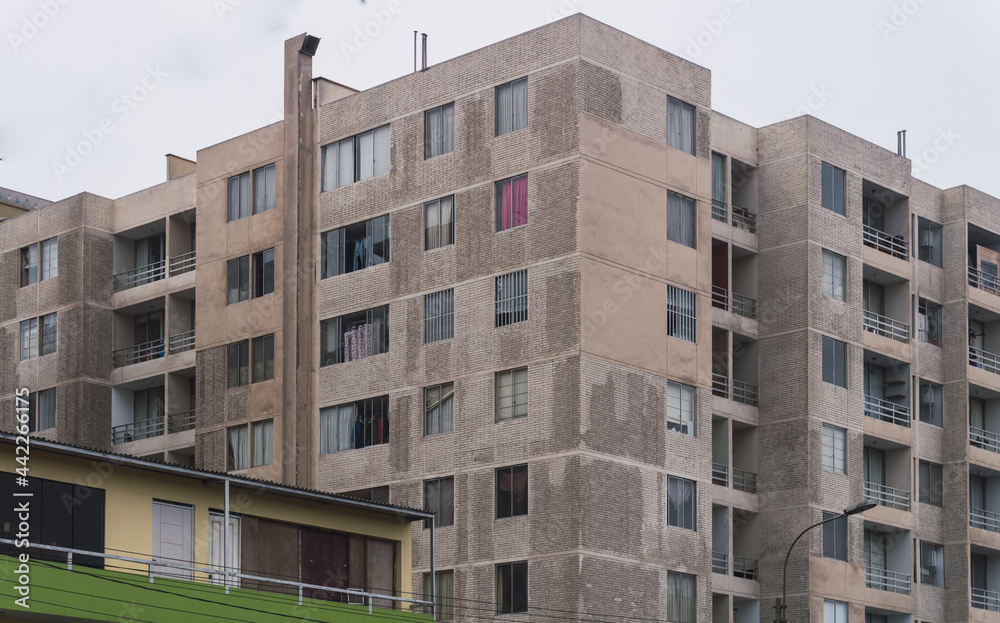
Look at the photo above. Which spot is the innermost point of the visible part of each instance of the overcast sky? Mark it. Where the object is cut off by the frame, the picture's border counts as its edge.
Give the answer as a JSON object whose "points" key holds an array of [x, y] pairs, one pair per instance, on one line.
{"points": [[97, 91]]}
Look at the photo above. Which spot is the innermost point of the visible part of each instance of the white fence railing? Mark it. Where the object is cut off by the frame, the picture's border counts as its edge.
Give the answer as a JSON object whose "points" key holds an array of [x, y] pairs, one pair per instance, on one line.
{"points": [[886, 327], [887, 496], [887, 411], [895, 246], [886, 580]]}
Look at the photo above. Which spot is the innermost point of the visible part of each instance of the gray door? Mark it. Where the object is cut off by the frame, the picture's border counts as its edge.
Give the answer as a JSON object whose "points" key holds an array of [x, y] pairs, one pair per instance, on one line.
{"points": [[173, 538]]}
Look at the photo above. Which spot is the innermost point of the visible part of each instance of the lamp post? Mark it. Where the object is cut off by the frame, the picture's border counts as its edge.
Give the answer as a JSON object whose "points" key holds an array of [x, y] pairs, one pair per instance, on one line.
{"points": [[780, 605]]}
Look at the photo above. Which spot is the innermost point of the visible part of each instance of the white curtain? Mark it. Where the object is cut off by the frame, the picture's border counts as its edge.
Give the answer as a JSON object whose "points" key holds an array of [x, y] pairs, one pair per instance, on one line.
{"points": [[381, 150], [874, 466], [448, 129], [234, 199], [345, 175], [681, 600], [875, 550], [263, 189], [834, 611], [46, 409], [366, 155], [263, 443], [433, 133], [505, 109], [520, 88], [719, 179], [438, 409], [680, 125], [432, 223], [330, 165], [681, 219], [237, 448], [336, 425]]}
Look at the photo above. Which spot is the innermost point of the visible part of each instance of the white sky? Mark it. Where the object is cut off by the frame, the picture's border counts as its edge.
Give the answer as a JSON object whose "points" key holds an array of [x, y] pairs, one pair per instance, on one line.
{"points": [[212, 70]]}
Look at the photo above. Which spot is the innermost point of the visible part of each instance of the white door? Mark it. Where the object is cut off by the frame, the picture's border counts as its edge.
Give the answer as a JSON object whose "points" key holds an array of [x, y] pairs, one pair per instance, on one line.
{"points": [[215, 552], [173, 538]]}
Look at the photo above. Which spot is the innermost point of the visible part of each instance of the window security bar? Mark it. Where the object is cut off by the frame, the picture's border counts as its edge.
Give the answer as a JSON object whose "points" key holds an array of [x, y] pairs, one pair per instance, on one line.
{"points": [[984, 519], [886, 327], [134, 431], [720, 563], [887, 411], [745, 219], [895, 246], [720, 385], [182, 263], [887, 496], [140, 276], [720, 297], [744, 306], [177, 422], [720, 474], [140, 352], [744, 567], [981, 359], [985, 439], [745, 393], [744, 480], [984, 281], [719, 210], [182, 342], [886, 580], [985, 599]]}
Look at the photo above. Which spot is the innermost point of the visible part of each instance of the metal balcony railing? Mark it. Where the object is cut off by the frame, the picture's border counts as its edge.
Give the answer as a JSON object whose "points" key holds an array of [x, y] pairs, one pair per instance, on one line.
{"points": [[983, 281], [134, 431], [745, 393], [719, 210], [720, 297], [744, 567], [720, 474], [887, 496], [886, 327], [886, 580], [745, 219], [181, 264], [181, 342], [178, 422], [140, 352], [887, 411], [985, 599], [984, 439], [984, 519], [744, 306], [720, 563], [979, 358], [720, 385], [140, 276], [895, 246], [744, 480]]}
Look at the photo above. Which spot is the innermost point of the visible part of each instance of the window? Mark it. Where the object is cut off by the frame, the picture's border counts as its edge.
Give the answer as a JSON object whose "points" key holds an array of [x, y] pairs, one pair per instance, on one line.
{"points": [[373, 494], [354, 336], [512, 106], [680, 125], [834, 611], [439, 316], [439, 498], [680, 408], [263, 273], [439, 404], [512, 202], [444, 601], [35, 268], [931, 564], [30, 336], [263, 358], [355, 247], [719, 191], [931, 405], [511, 394], [512, 491], [263, 189], [354, 425], [238, 280], [48, 337], [931, 485], [238, 364], [834, 449], [682, 314], [239, 196], [512, 587], [511, 298], [681, 219], [355, 158], [439, 223], [928, 241], [439, 130], [834, 362], [929, 322], [29, 265], [682, 600], [835, 537], [834, 270], [236, 448], [41, 409], [681, 511], [262, 443], [833, 191]]}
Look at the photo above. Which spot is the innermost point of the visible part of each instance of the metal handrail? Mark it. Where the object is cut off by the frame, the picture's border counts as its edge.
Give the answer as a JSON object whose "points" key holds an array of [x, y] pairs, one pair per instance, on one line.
{"points": [[984, 519], [979, 358], [182, 342], [719, 210], [744, 480], [985, 599], [720, 563], [896, 246], [720, 385], [720, 474], [745, 393], [183, 263], [985, 439], [886, 327], [886, 580], [887, 411], [887, 496], [745, 219], [744, 567], [744, 306], [134, 431], [177, 422], [720, 297], [140, 275], [139, 352], [989, 283]]}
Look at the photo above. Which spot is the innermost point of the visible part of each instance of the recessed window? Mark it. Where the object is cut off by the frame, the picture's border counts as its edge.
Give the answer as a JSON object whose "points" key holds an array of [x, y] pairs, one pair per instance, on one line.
{"points": [[355, 158], [835, 537], [680, 408], [439, 316], [681, 503], [931, 403], [238, 363], [263, 189], [931, 564], [29, 265], [512, 491], [263, 358], [237, 280], [511, 394], [833, 188], [354, 425], [444, 601], [239, 196], [834, 362], [928, 241], [47, 339], [38, 336], [680, 125], [355, 247], [512, 106], [41, 410], [681, 219], [834, 611], [682, 314], [262, 443], [439, 498], [929, 322], [834, 449], [682, 599], [439, 223], [40, 262], [931, 483], [354, 336], [834, 270], [439, 130], [263, 273], [512, 202], [439, 405], [511, 303], [236, 448]]}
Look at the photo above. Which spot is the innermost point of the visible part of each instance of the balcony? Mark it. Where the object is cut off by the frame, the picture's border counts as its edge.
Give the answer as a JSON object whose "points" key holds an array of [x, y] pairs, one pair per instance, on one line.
{"points": [[986, 599], [182, 263], [886, 327], [887, 496], [887, 411], [720, 385], [744, 567], [984, 519], [140, 276], [885, 580], [181, 342], [720, 474], [744, 480], [981, 438], [895, 246], [745, 393], [984, 281], [719, 210], [720, 563], [146, 351], [179, 422], [979, 358], [134, 431], [744, 219]]}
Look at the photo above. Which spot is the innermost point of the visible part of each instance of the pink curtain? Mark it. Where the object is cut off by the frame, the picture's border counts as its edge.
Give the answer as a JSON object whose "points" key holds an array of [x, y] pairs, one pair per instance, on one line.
{"points": [[520, 211]]}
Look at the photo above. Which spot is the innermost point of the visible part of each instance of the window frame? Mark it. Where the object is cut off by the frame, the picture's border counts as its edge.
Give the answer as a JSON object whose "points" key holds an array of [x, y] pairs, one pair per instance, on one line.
{"points": [[513, 408], [513, 309], [48, 334], [334, 245], [434, 488], [499, 92], [263, 273], [935, 576], [677, 422], [237, 353], [233, 458], [29, 262], [832, 179], [498, 190], [682, 503], [258, 457], [932, 491], [357, 166], [677, 133], [238, 280], [930, 313], [675, 203], [430, 409], [437, 230], [834, 455], [353, 320], [835, 537], [243, 196], [268, 202], [505, 502], [439, 316], [366, 412], [935, 416], [935, 252], [832, 263], [29, 339], [444, 604], [675, 578], [834, 353], [439, 146], [682, 314], [839, 608], [262, 348]]}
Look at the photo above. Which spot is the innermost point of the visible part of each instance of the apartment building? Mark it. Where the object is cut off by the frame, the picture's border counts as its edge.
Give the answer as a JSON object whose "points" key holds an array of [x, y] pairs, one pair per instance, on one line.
{"points": [[625, 347]]}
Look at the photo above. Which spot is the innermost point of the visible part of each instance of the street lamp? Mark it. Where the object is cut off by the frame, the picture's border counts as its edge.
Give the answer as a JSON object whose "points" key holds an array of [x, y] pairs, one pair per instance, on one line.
{"points": [[853, 509]]}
